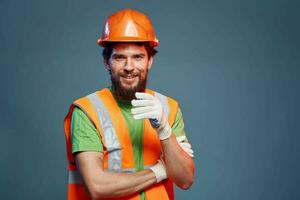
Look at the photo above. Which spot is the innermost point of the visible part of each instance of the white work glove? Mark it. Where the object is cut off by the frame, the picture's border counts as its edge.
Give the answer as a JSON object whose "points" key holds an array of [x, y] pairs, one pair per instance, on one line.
{"points": [[187, 147], [148, 106], [159, 171]]}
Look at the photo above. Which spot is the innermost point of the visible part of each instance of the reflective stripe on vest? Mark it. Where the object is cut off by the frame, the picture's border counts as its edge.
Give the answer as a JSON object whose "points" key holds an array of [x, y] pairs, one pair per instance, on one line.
{"points": [[164, 101], [75, 177], [109, 132]]}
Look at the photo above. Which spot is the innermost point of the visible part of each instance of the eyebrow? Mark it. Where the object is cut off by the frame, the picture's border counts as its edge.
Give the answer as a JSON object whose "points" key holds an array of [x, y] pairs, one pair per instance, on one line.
{"points": [[140, 54], [118, 55], [122, 55]]}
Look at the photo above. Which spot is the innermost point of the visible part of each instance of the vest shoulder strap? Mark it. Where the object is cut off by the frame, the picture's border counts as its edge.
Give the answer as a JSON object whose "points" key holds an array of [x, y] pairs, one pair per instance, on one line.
{"points": [[116, 134], [89, 109]]}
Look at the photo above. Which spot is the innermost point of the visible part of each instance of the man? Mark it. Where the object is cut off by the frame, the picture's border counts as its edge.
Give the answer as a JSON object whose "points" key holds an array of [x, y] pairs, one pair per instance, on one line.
{"points": [[126, 141]]}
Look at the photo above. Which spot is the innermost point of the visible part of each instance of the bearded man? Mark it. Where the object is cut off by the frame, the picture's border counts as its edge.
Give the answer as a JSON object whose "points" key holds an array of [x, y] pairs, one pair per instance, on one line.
{"points": [[126, 141]]}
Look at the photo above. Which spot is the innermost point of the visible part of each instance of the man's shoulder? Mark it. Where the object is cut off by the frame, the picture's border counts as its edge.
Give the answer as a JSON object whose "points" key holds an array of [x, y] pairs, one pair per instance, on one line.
{"points": [[88, 95]]}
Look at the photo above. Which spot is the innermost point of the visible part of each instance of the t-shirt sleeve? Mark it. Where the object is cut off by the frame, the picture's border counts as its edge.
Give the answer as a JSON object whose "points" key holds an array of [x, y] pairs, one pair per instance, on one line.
{"points": [[178, 126], [84, 135]]}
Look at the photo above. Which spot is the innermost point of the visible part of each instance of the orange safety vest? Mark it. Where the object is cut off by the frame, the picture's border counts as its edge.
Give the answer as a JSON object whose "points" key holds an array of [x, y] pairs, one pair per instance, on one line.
{"points": [[103, 110]]}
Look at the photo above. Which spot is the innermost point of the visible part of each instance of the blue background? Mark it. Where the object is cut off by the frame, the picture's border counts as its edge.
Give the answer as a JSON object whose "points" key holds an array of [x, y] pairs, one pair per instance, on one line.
{"points": [[234, 66]]}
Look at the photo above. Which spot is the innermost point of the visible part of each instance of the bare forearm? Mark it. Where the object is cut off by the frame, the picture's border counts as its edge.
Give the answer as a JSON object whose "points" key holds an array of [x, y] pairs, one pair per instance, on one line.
{"points": [[112, 185], [102, 184], [179, 165]]}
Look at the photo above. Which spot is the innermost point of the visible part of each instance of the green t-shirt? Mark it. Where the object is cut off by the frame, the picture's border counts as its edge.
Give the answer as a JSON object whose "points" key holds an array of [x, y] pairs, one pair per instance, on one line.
{"points": [[85, 136]]}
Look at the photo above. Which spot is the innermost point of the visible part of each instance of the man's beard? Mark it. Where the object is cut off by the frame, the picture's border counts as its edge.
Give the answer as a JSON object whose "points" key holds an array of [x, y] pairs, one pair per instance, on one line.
{"points": [[127, 93]]}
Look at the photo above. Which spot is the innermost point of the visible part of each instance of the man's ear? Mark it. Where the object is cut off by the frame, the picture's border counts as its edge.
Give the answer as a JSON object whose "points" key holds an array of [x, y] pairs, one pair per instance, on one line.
{"points": [[150, 62], [106, 64]]}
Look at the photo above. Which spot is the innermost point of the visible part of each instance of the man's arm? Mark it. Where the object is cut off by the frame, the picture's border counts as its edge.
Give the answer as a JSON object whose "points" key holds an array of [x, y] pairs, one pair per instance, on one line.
{"points": [[102, 184], [179, 165]]}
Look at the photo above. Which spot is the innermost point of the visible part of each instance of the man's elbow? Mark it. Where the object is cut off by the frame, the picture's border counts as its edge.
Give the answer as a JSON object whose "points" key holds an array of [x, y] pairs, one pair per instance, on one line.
{"points": [[187, 185], [186, 181], [96, 192], [94, 196]]}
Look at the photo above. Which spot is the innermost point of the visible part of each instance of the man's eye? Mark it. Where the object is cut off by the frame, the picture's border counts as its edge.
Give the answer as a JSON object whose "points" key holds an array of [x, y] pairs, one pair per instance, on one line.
{"points": [[138, 57], [119, 58]]}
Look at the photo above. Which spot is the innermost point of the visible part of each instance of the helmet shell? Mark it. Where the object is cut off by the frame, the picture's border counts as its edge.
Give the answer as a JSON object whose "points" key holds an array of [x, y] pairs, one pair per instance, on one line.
{"points": [[128, 26]]}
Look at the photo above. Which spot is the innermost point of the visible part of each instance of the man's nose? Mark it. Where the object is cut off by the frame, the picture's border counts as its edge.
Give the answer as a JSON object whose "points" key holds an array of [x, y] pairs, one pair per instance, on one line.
{"points": [[128, 65]]}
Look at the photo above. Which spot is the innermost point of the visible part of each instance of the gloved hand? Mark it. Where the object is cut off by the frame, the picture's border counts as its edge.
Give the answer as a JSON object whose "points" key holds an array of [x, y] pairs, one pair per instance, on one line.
{"points": [[159, 171], [148, 106], [187, 147]]}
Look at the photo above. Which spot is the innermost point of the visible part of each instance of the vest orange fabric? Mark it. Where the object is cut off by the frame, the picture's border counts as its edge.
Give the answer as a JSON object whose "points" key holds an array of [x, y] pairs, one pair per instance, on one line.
{"points": [[115, 158]]}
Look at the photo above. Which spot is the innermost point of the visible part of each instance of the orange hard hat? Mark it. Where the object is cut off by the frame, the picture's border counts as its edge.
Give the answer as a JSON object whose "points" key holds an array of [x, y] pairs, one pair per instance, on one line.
{"points": [[128, 26]]}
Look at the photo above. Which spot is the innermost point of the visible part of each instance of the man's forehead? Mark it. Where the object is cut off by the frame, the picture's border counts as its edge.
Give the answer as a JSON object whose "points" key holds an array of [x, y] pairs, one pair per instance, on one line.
{"points": [[128, 47]]}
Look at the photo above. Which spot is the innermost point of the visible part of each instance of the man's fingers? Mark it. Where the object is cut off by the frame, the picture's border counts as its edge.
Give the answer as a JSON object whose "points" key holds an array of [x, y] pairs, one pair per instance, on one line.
{"points": [[190, 152], [145, 115], [139, 103], [180, 138], [191, 155], [144, 96], [185, 145], [139, 110]]}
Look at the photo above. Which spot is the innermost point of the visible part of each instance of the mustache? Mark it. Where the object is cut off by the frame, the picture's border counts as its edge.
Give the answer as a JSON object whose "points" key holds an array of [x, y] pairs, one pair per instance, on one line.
{"points": [[130, 74]]}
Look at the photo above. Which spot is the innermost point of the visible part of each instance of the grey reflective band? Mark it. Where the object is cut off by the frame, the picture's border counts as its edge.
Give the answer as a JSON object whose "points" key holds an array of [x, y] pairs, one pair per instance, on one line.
{"points": [[111, 140], [148, 166], [163, 99], [75, 177]]}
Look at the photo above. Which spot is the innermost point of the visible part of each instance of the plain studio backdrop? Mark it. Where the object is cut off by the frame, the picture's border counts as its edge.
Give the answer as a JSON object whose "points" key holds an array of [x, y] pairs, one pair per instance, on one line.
{"points": [[234, 67]]}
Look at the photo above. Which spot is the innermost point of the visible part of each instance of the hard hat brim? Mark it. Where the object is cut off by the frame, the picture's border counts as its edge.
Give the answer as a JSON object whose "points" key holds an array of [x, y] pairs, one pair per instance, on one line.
{"points": [[104, 43]]}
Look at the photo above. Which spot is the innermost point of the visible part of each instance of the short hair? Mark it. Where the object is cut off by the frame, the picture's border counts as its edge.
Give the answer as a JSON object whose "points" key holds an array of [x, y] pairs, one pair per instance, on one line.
{"points": [[107, 51]]}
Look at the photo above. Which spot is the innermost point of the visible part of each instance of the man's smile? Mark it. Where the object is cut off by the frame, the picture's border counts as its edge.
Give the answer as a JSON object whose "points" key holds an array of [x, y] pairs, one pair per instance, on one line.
{"points": [[129, 78]]}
